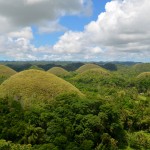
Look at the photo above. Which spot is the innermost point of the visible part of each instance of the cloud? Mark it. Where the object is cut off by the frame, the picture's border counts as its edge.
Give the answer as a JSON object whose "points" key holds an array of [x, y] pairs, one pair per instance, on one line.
{"points": [[16, 14], [17, 45], [122, 32], [50, 27], [25, 33], [17, 17], [30, 2]]}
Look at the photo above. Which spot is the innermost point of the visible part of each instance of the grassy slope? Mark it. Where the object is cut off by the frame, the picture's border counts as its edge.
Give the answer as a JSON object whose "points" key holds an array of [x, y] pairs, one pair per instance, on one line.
{"points": [[139, 68], [87, 67], [6, 71], [92, 74], [36, 67], [58, 71], [35, 84]]}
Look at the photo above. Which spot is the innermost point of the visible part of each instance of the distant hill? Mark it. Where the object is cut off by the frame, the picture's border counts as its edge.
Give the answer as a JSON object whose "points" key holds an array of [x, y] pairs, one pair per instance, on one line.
{"points": [[68, 65], [144, 75], [92, 75], [110, 66], [58, 71], [36, 67], [87, 67], [5, 72], [73, 66], [142, 67]]}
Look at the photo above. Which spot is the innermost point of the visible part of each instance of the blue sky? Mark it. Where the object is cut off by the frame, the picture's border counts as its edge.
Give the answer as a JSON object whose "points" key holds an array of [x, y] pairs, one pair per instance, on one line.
{"points": [[74, 23], [81, 30]]}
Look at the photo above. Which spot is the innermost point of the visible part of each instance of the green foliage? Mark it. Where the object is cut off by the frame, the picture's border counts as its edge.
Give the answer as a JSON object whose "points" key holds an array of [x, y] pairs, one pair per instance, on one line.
{"points": [[143, 82], [87, 145], [4, 145], [69, 122], [110, 66], [139, 140]]}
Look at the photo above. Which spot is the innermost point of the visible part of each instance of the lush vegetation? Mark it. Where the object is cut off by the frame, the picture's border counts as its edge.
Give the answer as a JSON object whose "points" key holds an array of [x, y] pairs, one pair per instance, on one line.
{"points": [[113, 113]]}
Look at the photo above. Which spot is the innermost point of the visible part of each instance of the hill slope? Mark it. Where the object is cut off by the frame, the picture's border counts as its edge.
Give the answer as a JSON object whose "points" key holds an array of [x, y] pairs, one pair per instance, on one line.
{"points": [[58, 71], [143, 67], [87, 67], [5, 72], [36, 67], [35, 85], [92, 75]]}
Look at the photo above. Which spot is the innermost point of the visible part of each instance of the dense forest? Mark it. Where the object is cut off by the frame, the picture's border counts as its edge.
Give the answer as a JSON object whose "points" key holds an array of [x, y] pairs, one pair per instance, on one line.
{"points": [[74, 106]]}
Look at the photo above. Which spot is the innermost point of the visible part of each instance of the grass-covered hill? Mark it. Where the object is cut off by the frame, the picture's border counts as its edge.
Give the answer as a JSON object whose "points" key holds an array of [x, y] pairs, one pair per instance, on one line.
{"points": [[92, 75], [87, 67], [36, 67], [5, 72], [139, 68], [36, 86], [58, 71], [144, 75], [94, 80], [132, 71]]}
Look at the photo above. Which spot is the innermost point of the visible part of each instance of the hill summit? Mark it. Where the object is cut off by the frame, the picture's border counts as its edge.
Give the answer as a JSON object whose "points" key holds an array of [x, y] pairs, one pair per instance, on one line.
{"points": [[58, 71], [35, 86], [87, 67], [6, 71], [143, 67]]}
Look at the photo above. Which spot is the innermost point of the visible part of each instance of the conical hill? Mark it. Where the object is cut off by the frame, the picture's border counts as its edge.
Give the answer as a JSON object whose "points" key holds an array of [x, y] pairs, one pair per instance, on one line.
{"points": [[35, 85], [87, 67], [92, 75], [6, 71], [58, 71]]}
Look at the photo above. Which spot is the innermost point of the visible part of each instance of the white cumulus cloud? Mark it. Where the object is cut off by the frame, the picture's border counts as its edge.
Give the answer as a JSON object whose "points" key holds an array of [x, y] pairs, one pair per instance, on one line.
{"points": [[16, 14], [50, 27], [122, 32]]}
